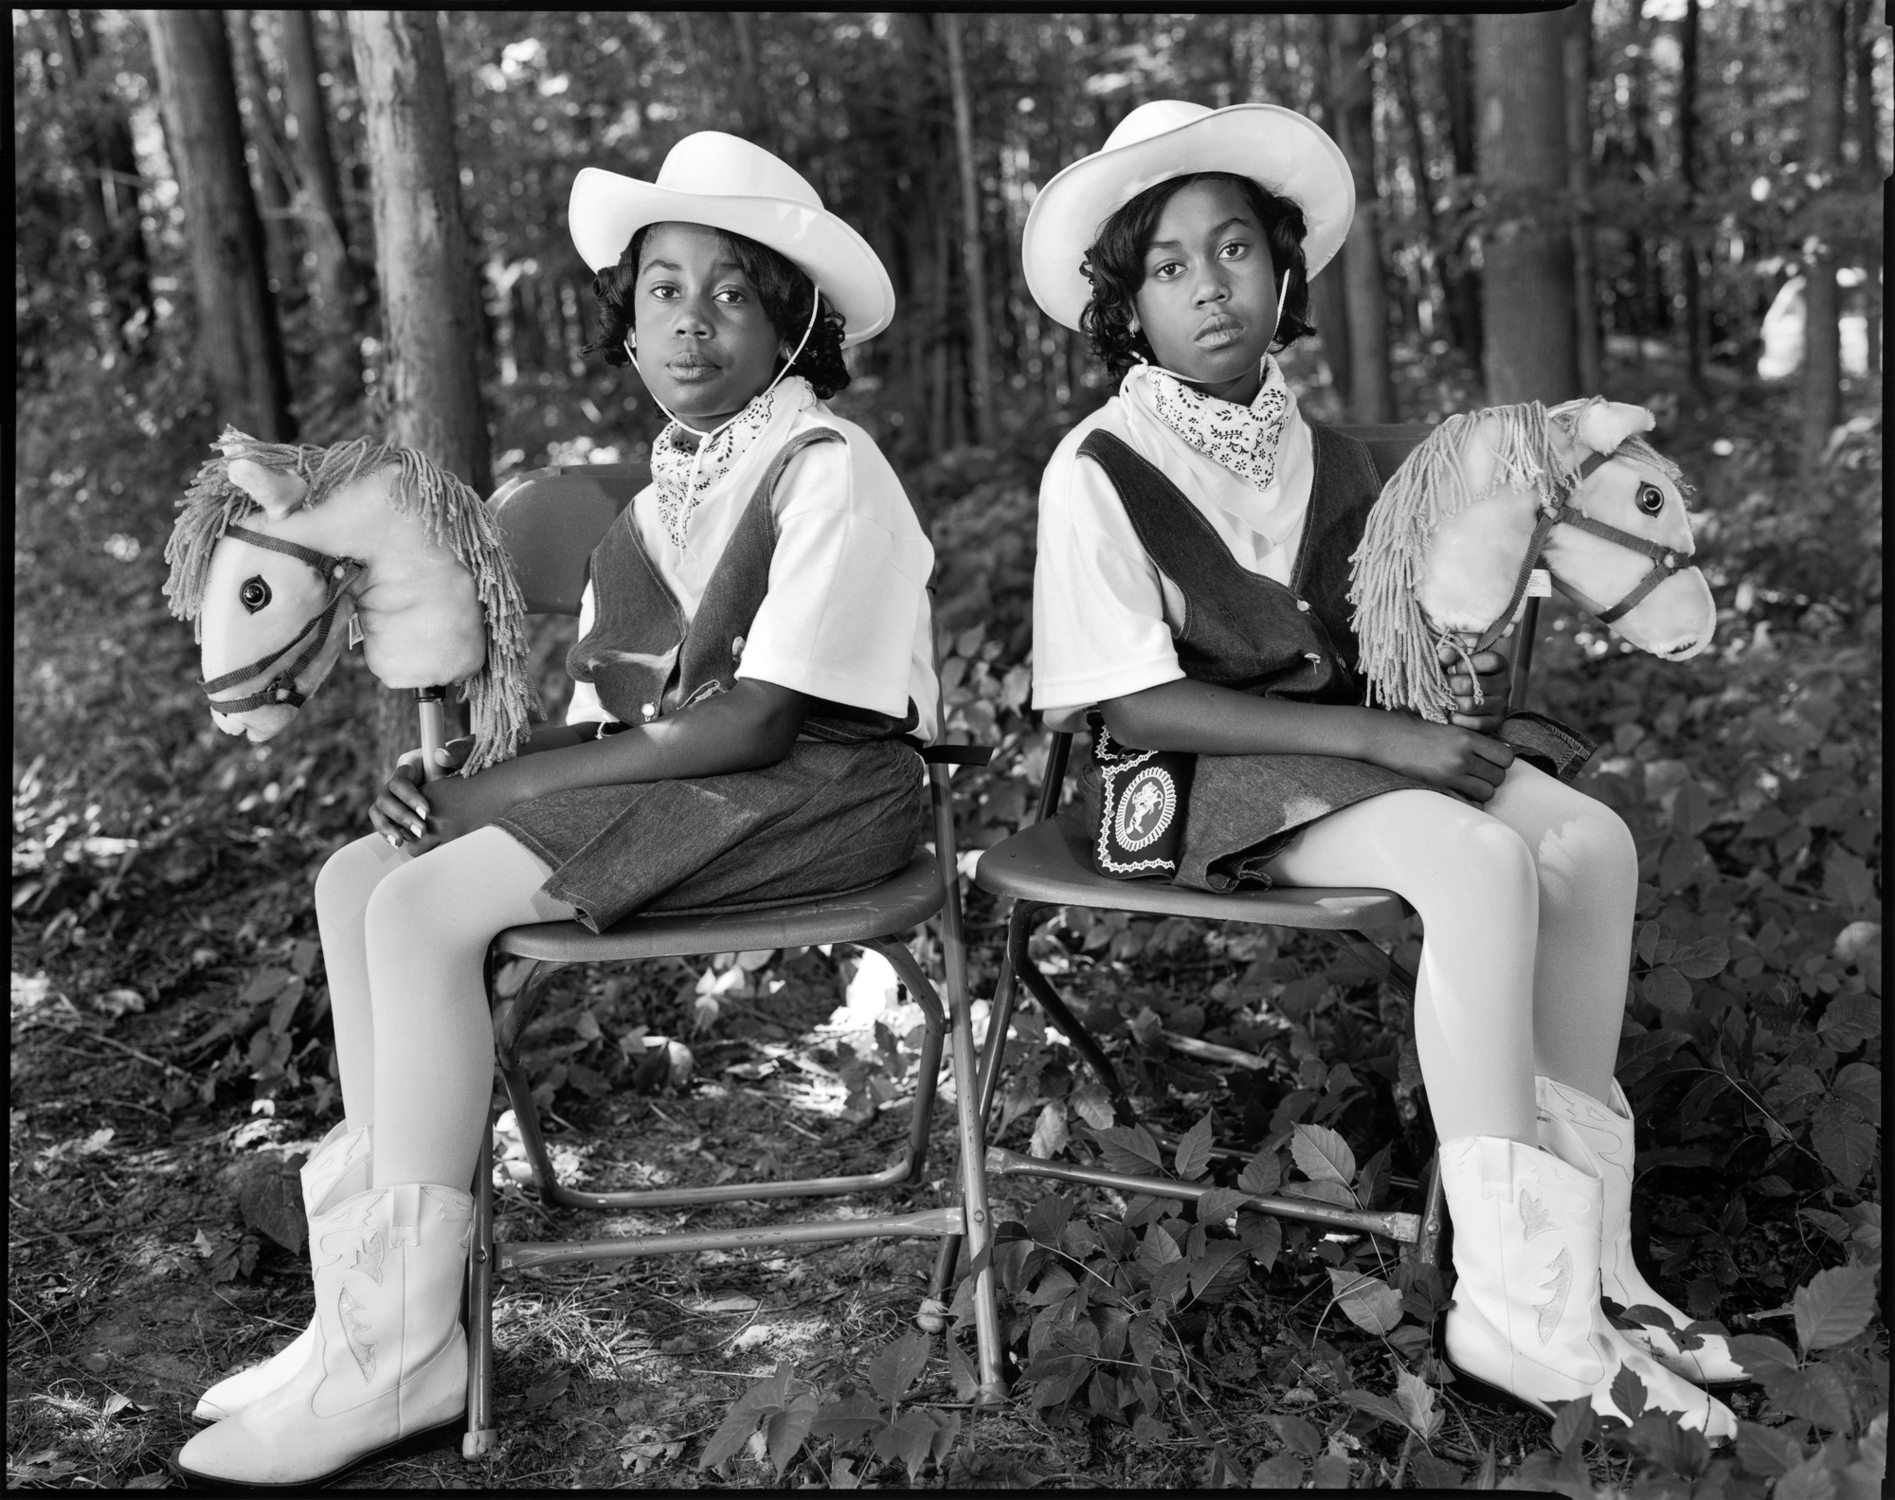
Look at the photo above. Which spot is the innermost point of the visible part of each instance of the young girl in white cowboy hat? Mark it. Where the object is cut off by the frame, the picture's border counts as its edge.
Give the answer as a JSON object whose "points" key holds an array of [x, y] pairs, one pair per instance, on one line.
{"points": [[1194, 546], [753, 668]]}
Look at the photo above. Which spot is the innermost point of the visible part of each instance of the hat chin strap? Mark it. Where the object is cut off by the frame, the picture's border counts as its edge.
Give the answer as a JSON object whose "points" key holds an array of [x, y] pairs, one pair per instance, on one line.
{"points": [[1282, 296], [704, 438]]}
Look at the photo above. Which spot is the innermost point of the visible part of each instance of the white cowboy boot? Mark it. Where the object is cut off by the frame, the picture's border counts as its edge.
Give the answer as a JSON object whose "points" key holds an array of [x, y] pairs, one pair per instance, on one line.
{"points": [[337, 1169], [1526, 1317], [389, 1358], [1605, 1133]]}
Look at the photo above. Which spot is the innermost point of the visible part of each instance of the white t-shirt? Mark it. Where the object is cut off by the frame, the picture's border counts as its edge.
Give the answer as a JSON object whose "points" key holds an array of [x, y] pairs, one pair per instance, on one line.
{"points": [[846, 614], [1104, 616]]}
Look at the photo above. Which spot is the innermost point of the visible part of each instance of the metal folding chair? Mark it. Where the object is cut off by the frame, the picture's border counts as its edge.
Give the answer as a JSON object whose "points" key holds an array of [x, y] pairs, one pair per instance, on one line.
{"points": [[551, 520], [1042, 867]]}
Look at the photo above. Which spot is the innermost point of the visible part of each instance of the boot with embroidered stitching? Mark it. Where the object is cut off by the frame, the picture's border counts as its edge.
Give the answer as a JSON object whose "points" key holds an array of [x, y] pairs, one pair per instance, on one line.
{"points": [[389, 1358], [1526, 1317], [337, 1169], [1605, 1132]]}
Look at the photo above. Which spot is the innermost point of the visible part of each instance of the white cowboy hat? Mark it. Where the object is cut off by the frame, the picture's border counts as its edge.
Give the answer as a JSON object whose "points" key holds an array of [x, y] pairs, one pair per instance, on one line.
{"points": [[1276, 148], [725, 182]]}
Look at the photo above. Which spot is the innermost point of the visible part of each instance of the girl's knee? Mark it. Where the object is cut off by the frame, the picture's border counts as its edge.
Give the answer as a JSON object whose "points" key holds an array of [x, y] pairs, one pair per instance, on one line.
{"points": [[1495, 852], [412, 905], [350, 876], [1598, 845]]}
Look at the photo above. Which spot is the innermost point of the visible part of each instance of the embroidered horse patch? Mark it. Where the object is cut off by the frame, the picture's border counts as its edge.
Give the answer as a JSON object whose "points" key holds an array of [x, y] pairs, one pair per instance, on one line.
{"points": [[1146, 808]]}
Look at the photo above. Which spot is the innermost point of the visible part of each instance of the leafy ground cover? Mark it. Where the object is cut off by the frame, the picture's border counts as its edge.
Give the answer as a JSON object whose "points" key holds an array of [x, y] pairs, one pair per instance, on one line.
{"points": [[170, 1061]]}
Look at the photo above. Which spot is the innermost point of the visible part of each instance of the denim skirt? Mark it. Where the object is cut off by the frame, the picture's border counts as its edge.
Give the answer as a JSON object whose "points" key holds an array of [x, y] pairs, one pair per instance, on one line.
{"points": [[824, 820], [1244, 809]]}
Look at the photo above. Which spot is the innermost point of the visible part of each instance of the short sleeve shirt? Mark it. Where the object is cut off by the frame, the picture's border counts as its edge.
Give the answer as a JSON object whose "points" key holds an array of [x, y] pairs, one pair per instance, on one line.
{"points": [[1104, 616], [846, 614]]}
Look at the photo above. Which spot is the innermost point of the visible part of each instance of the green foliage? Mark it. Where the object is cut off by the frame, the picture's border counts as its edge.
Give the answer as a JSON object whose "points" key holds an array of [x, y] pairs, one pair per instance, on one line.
{"points": [[779, 1414]]}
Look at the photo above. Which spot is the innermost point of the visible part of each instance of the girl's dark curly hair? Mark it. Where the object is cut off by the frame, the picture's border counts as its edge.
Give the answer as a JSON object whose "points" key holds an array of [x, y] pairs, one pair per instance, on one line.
{"points": [[783, 290], [1115, 265]]}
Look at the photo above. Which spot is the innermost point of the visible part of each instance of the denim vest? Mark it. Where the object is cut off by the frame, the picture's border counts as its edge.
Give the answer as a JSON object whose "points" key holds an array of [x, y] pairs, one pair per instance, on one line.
{"points": [[1240, 629], [646, 661]]}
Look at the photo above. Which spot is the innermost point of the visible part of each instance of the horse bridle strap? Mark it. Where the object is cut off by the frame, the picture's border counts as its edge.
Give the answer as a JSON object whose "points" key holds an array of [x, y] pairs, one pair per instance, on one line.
{"points": [[338, 574], [1665, 560]]}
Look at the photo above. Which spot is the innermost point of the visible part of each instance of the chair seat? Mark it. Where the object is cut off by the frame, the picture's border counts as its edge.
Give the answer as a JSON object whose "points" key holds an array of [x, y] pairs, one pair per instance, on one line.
{"points": [[1048, 863], [903, 901]]}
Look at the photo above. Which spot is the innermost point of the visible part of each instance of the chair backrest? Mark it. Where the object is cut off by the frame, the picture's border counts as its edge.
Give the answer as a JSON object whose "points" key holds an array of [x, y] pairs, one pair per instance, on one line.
{"points": [[551, 519], [1389, 443]]}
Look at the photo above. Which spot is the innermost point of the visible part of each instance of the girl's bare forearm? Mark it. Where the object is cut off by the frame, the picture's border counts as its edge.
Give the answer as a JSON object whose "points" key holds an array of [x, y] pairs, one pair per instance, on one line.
{"points": [[1210, 720], [751, 727]]}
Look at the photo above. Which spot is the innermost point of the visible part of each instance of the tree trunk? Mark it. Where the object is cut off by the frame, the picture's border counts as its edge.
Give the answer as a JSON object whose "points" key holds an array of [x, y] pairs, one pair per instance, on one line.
{"points": [[1401, 56], [1869, 140], [1578, 55], [109, 171], [1351, 42], [327, 223], [430, 314], [266, 140], [753, 109], [1822, 338], [1527, 286], [239, 343], [980, 338], [1688, 37], [1458, 274]]}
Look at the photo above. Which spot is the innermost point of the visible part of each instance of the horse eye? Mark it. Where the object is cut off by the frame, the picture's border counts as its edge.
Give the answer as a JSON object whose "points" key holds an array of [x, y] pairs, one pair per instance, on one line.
{"points": [[1651, 499], [255, 593]]}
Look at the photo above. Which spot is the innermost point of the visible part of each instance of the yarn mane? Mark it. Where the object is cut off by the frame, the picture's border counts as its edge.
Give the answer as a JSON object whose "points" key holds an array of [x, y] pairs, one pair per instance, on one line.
{"points": [[499, 696], [1398, 645]]}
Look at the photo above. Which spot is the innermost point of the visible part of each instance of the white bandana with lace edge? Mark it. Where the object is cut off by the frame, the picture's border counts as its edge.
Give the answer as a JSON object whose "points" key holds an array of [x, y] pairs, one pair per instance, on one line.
{"points": [[1242, 439], [685, 475]]}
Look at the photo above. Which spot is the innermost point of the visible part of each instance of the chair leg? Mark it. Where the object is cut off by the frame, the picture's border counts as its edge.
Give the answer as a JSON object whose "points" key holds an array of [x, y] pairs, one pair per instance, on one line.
{"points": [[976, 1214], [1055, 1006], [480, 1438], [932, 1317]]}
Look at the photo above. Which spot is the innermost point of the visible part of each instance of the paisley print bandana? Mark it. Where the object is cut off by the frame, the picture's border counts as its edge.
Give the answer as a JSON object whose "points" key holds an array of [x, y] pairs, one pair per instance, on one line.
{"points": [[686, 466], [1243, 439]]}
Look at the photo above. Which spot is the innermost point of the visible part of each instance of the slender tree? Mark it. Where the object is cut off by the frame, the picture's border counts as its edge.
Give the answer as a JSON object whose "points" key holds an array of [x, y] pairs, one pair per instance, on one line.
{"points": [[1578, 58], [1868, 126], [1527, 251], [239, 343], [429, 310], [1461, 280], [980, 335], [269, 172], [320, 200], [1690, 30], [109, 180], [1822, 336], [1351, 57]]}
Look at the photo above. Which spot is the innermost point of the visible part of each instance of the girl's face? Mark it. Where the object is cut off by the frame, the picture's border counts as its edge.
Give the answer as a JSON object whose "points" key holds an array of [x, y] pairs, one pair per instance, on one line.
{"points": [[705, 346], [1208, 304]]}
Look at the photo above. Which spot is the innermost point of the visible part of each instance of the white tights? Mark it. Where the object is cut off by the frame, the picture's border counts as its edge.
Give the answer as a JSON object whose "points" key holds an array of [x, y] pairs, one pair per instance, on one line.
{"points": [[1527, 906], [404, 938]]}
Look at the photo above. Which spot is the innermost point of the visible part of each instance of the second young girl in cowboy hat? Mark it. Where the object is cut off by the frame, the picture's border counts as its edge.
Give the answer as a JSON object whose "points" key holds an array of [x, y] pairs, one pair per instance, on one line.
{"points": [[1192, 582], [752, 669]]}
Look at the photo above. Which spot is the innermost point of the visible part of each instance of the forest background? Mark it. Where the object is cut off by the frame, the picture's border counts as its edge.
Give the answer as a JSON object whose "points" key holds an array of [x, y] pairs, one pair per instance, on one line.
{"points": [[316, 224]]}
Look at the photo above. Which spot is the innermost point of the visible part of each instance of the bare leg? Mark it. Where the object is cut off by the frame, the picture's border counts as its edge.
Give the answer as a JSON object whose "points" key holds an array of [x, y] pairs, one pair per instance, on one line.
{"points": [[427, 927], [1472, 879]]}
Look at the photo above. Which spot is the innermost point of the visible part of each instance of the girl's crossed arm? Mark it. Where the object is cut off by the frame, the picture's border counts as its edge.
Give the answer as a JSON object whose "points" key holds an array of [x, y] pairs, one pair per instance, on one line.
{"points": [[750, 727], [1210, 720]]}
